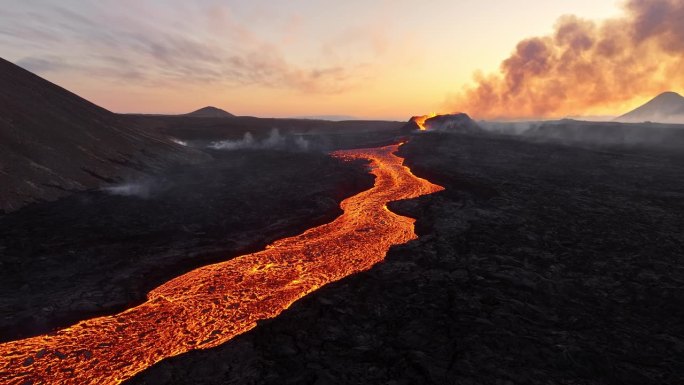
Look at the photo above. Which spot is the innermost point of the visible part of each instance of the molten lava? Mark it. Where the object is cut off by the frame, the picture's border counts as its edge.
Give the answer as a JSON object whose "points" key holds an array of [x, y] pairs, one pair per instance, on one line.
{"points": [[210, 305], [420, 120]]}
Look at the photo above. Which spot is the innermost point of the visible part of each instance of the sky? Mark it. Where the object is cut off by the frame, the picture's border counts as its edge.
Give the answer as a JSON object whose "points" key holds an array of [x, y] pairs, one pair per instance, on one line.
{"points": [[369, 59]]}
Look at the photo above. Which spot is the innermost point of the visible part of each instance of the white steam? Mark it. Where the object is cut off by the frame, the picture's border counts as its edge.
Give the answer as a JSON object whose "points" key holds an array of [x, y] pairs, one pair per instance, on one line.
{"points": [[274, 141], [136, 189], [302, 143], [178, 141], [508, 128]]}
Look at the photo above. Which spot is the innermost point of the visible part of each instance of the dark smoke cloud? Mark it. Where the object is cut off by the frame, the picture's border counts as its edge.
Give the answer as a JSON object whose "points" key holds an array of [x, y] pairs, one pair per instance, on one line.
{"points": [[586, 67]]}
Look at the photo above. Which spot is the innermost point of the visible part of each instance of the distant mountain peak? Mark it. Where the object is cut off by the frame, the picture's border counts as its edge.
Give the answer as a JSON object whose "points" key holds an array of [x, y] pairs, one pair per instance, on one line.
{"points": [[668, 97], [210, 112], [667, 107], [669, 94]]}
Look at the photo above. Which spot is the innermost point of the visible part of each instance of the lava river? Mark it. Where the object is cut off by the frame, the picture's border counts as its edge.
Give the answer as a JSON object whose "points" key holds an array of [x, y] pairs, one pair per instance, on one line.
{"points": [[210, 305]]}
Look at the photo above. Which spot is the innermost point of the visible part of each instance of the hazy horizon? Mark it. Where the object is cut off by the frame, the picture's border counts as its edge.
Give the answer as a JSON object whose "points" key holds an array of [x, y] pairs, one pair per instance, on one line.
{"points": [[387, 60]]}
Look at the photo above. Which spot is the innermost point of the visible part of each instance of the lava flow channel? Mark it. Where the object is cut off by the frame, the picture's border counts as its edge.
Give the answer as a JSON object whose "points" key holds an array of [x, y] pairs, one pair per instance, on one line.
{"points": [[210, 305]]}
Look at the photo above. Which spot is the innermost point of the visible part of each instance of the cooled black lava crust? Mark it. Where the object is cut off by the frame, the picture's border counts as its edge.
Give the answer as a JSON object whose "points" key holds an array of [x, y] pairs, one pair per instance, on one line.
{"points": [[540, 264]]}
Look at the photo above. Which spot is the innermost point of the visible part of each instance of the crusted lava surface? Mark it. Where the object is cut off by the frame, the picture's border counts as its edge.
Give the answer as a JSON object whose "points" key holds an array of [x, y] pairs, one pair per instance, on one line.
{"points": [[539, 263], [95, 253]]}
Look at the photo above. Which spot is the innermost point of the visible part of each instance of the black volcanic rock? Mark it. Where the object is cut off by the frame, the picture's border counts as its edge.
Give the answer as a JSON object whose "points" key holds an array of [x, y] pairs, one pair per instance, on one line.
{"points": [[539, 264], [609, 133], [321, 135], [53, 142], [667, 107], [210, 112], [460, 122], [94, 253], [411, 125]]}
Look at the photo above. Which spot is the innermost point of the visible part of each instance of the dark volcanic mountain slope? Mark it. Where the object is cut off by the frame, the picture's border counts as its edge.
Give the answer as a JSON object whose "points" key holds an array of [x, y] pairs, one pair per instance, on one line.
{"points": [[210, 112], [667, 107], [53, 142]]}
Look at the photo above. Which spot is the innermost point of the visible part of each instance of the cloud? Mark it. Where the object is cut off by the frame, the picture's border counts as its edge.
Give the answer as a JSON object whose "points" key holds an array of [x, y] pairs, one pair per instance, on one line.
{"points": [[585, 67], [206, 45], [42, 64]]}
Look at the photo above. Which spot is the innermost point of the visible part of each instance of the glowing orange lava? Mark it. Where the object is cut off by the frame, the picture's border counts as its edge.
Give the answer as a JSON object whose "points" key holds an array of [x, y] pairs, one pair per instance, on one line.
{"points": [[420, 120], [210, 305]]}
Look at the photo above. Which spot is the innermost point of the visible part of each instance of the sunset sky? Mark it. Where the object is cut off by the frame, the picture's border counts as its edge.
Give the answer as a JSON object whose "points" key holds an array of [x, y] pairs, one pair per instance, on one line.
{"points": [[371, 59]]}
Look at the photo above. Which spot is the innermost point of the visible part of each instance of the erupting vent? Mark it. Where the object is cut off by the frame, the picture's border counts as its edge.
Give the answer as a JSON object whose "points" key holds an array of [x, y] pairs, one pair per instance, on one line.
{"points": [[420, 120]]}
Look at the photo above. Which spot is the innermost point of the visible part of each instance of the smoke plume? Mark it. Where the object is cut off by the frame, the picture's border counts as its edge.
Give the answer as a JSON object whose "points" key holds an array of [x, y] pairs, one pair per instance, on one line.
{"points": [[586, 67]]}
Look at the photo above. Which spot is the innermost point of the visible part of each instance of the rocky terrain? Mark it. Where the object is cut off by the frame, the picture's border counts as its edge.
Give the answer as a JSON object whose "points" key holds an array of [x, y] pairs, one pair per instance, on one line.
{"points": [[551, 257], [97, 208], [100, 252], [452, 123], [635, 135], [539, 264], [53, 142], [323, 135]]}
